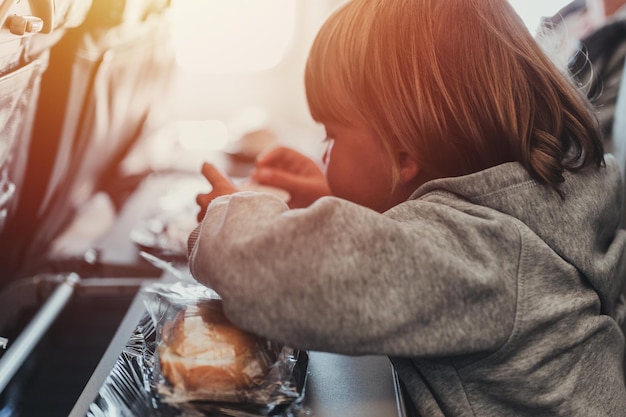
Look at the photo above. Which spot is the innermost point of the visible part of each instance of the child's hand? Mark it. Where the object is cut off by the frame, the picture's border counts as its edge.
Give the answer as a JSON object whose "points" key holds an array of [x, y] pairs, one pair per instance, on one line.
{"points": [[293, 172], [221, 186]]}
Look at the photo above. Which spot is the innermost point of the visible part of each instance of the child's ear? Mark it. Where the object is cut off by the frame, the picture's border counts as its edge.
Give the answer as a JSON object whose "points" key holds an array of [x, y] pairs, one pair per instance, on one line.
{"points": [[409, 169]]}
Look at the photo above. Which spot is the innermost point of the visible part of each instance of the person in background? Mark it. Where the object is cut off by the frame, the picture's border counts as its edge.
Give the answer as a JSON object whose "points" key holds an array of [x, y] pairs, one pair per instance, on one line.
{"points": [[598, 31], [465, 224], [599, 53]]}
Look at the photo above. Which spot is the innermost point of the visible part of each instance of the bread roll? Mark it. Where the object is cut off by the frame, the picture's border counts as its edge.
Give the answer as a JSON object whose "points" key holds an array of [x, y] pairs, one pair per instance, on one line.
{"points": [[201, 351]]}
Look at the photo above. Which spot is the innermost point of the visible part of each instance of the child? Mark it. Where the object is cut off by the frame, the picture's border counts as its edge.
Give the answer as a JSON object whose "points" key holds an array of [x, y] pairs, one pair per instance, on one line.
{"points": [[472, 235]]}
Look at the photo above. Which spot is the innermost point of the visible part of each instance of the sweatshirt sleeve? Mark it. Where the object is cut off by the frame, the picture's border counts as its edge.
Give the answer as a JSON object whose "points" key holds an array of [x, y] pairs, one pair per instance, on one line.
{"points": [[423, 279]]}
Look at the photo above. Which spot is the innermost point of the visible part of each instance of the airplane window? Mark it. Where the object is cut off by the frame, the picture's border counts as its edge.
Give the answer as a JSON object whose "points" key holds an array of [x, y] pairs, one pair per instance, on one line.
{"points": [[233, 36]]}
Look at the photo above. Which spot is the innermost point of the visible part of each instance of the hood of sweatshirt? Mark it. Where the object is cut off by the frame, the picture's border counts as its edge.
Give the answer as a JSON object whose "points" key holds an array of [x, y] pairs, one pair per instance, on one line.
{"points": [[582, 226]]}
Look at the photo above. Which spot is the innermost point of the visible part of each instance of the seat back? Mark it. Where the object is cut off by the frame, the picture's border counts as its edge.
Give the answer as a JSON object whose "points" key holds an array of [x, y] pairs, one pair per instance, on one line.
{"points": [[104, 79], [29, 30]]}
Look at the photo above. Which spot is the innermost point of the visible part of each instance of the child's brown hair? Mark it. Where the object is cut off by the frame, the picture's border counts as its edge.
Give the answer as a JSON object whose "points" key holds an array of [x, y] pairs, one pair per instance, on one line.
{"points": [[461, 85]]}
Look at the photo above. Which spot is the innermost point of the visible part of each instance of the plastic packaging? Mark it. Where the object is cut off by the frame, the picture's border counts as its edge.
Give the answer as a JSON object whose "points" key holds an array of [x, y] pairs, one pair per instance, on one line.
{"points": [[271, 382], [191, 326], [164, 232]]}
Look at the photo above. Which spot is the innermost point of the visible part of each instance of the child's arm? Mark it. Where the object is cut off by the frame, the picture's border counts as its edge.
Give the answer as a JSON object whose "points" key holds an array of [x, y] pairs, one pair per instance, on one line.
{"points": [[343, 278]]}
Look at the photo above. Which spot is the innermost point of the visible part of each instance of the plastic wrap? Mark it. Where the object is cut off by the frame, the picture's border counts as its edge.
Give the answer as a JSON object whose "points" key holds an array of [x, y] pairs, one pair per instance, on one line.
{"points": [[164, 232], [273, 385]]}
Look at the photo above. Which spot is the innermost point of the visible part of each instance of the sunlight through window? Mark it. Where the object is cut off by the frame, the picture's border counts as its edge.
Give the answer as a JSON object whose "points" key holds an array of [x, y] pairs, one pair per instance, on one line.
{"points": [[232, 36]]}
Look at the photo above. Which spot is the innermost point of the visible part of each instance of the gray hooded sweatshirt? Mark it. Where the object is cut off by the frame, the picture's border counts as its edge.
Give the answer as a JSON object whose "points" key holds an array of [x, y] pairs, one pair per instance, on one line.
{"points": [[491, 294]]}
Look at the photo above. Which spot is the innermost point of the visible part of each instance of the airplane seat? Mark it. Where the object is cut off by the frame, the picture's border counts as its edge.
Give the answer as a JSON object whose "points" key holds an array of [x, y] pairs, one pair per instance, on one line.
{"points": [[28, 31], [105, 79]]}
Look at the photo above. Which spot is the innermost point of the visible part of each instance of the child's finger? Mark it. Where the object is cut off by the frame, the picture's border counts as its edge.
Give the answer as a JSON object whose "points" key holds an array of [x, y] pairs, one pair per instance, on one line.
{"points": [[214, 176], [280, 157], [277, 178]]}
